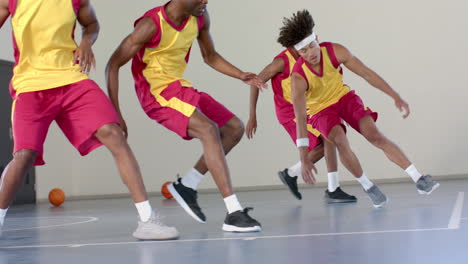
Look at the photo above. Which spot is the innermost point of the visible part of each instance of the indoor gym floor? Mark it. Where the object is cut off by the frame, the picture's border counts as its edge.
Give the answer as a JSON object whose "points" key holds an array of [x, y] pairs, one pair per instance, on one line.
{"points": [[411, 229]]}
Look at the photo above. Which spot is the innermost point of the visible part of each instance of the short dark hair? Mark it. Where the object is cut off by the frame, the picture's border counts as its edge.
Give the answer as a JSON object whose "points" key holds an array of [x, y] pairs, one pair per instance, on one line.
{"points": [[296, 28]]}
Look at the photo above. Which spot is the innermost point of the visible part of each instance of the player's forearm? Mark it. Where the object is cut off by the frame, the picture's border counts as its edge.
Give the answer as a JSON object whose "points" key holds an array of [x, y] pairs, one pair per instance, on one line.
{"points": [[301, 123], [253, 101], [220, 64], [112, 80], [301, 131], [90, 33], [378, 82]]}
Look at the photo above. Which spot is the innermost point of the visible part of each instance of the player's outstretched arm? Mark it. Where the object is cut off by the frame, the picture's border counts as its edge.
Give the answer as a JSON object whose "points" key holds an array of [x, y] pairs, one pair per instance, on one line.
{"points": [[298, 90], [217, 62], [355, 65], [265, 75], [143, 33]]}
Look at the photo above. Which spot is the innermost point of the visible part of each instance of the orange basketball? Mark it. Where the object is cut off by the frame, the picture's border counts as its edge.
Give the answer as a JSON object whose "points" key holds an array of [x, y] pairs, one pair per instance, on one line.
{"points": [[165, 192], [56, 197]]}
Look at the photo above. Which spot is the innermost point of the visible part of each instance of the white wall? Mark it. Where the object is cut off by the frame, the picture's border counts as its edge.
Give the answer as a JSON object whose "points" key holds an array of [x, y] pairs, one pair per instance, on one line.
{"points": [[419, 47]]}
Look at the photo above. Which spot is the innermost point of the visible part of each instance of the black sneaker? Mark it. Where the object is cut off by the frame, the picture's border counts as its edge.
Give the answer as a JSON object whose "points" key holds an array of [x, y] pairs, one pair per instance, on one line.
{"points": [[291, 182], [187, 198], [338, 196], [240, 221]]}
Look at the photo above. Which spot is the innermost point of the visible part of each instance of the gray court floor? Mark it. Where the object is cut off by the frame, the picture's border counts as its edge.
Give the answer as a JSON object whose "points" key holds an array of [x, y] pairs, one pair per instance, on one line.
{"points": [[411, 229]]}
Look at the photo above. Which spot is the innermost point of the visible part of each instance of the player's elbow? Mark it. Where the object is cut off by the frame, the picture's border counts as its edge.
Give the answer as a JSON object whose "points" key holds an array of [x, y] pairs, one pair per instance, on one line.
{"points": [[112, 66], [209, 57]]}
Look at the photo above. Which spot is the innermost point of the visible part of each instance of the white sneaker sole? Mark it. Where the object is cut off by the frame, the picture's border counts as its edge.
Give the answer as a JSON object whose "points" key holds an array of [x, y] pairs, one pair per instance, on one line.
{"points": [[182, 203], [147, 237], [231, 228], [429, 192], [382, 204]]}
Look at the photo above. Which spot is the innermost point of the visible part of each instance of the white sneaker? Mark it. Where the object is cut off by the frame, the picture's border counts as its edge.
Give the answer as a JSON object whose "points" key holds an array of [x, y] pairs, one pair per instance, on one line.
{"points": [[155, 229], [377, 197]]}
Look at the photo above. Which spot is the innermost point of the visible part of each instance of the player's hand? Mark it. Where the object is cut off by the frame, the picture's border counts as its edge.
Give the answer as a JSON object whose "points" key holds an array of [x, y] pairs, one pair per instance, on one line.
{"points": [[253, 80], [307, 174], [403, 107], [124, 128], [251, 128], [85, 57]]}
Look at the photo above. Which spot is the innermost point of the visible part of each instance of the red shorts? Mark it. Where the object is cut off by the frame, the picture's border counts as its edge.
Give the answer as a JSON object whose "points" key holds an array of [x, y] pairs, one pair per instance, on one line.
{"points": [[176, 104], [350, 108], [314, 140], [79, 109]]}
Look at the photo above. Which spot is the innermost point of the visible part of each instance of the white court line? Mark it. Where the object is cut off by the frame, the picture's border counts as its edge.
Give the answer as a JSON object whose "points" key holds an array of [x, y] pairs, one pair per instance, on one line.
{"points": [[90, 219], [454, 222], [226, 239]]}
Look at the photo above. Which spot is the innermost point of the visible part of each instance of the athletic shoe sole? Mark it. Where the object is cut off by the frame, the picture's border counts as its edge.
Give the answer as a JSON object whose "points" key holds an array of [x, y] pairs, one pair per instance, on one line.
{"points": [[146, 237], [182, 203], [429, 192], [382, 204], [331, 200], [231, 228]]}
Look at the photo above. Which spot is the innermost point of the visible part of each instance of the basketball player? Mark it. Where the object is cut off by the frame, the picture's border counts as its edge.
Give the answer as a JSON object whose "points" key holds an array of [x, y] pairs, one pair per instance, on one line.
{"points": [[50, 83], [279, 72], [318, 92], [160, 47]]}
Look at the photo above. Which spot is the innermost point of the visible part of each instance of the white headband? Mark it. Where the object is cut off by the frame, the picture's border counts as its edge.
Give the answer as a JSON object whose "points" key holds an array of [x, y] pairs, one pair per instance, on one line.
{"points": [[305, 42]]}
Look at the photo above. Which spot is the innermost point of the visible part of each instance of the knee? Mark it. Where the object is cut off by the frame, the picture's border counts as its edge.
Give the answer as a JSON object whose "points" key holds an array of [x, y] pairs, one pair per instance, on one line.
{"points": [[209, 130], [237, 129], [341, 141], [25, 157], [110, 132]]}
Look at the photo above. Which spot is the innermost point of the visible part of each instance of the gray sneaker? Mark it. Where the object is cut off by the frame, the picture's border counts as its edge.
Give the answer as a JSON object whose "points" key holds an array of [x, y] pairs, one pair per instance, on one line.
{"points": [[426, 185], [155, 229], [378, 198]]}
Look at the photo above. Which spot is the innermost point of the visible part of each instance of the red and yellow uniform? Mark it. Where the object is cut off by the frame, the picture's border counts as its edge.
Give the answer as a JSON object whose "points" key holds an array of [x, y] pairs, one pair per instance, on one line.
{"points": [[281, 85], [328, 99], [47, 84], [158, 70], [44, 44]]}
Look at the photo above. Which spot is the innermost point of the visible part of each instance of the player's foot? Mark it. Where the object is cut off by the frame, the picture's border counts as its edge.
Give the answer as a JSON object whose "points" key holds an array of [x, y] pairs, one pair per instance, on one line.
{"points": [[291, 182], [426, 185], [339, 196], [155, 229], [241, 221], [187, 198], [378, 198]]}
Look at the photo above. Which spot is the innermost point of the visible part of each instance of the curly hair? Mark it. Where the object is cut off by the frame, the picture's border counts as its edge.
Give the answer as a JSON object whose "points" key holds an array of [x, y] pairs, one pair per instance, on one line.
{"points": [[296, 28]]}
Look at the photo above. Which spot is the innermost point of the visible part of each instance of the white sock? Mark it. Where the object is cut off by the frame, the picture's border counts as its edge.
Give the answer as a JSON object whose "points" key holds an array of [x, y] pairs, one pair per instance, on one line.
{"points": [[2, 216], [333, 181], [192, 178], [232, 204], [295, 170], [413, 173], [144, 210], [365, 182]]}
